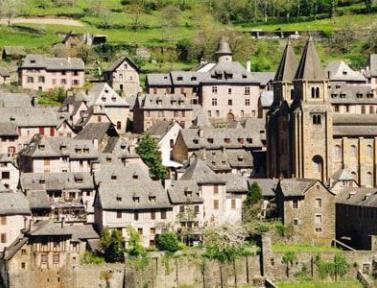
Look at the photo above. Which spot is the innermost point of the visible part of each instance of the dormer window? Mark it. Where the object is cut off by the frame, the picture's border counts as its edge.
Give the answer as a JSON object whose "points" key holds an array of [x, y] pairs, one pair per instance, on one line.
{"points": [[108, 160], [210, 140], [114, 99], [103, 99], [113, 177], [136, 199], [240, 158], [106, 90], [11, 118], [188, 193], [41, 147], [196, 141], [135, 176], [42, 181], [86, 150], [342, 95], [63, 147], [193, 78], [370, 95], [152, 198], [333, 95], [78, 150], [78, 179], [227, 140], [345, 73], [118, 198], [32, 61], [180, 78], [241, 140], [249, 140], [359, 95], [123, 146]]}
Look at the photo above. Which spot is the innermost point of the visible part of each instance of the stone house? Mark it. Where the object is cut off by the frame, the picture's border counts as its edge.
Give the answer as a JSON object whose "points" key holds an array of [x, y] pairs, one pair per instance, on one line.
{"points": [[308, 207], [226, 90], [14, 216], [123, 76], [57, 154], [104, 99], [27, 121], [166, 133], [9, 174], [65, 129], [356, 212], [13, 53], [70, 196], [39, 72], [75, 40], [155, 108], [4, 76], [128, 196], [340, 72], [46, 249], [74, 107], [8, 139]]}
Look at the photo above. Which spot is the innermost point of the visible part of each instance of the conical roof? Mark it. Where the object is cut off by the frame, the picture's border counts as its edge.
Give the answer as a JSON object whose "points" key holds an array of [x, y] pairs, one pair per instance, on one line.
{"points": [[310, 67], [288, 65], [223, 48]]}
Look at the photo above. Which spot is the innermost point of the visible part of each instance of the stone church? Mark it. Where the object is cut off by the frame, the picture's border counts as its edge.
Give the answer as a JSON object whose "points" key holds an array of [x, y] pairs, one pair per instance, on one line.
{"points": [[307, 136]]}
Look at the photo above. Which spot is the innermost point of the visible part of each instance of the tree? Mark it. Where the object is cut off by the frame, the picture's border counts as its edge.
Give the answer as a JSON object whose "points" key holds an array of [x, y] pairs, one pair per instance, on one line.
{"points": [[368, 5], [225, 244], [340, 266], [185, 218], [252, 205], [113, 245], [288, 259], [136, 10], [254, 194], [342, 39], [148, 151], [284, 231], [10, 9], [168, 241], [169, 20]]}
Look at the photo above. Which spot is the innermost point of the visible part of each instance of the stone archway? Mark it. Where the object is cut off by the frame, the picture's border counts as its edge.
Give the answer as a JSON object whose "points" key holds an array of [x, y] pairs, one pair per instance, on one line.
{"points": [[317, 162], [230, 117]]}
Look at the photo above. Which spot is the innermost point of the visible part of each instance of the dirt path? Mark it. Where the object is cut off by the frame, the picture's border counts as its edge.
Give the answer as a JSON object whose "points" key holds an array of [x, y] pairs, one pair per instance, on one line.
{"points": [[42, 20]]}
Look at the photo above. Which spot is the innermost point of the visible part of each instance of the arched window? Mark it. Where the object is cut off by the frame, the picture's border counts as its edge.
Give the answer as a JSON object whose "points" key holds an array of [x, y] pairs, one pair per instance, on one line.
{"points": [[317, 92], [313, 92], [353, 151], [337, 153], [317, 162], [370, 152], [369, 179], [317, 119]]}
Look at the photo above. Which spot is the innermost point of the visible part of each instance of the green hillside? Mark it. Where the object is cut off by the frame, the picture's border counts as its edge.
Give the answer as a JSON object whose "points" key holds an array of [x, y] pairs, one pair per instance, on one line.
{"points": [[192, 26]]}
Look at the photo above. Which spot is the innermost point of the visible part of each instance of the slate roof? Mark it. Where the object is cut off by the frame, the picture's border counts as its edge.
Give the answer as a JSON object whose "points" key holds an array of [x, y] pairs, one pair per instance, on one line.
{"points": [[295, 187], [158, 79], [160, 128], [56, 181], [358, 196], [14, 100], [95, 131], [8, 129], [342, 175], [267, 185], [288, 65], [354, 130], [349, 125], [119, 61], [129, 188], [199, 171], [38, 200], [223, 48], [310, 67], [350, 119], [29, 117], [52, 64], [52, 228], [41, 146], [352, 94], [14, 203], [102, 94], [340, 71], [235, 183], [164, 102], [184, 191], [263, 78], [215, 138], [224, 160]]}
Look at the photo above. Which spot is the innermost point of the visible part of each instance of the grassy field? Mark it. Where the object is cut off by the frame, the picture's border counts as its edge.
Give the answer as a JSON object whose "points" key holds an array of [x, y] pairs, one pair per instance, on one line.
{"points": [[321, 284], [297, 248]]}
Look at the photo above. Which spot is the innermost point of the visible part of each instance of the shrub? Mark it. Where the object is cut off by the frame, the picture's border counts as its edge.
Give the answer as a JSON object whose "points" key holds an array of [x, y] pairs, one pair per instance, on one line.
{"points": [[168, 242]]}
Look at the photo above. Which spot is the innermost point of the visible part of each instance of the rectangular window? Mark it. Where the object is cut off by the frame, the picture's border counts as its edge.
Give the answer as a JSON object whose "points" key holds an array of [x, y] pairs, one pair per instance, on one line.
{"points": [[214, 101], [30, 80], [229, 91], [153, 215], [230, 102], [3, 238], [196, 209], [3, 220], [119, 214], [152, 231], [318, 203], [44, 258], [56, 258], [295, 204], [63, 81], [216, 204], [140, 231], [214, 89], [295, 221], [5, 175], [136, 216], [163, 214], [247, 90], [233, 204], [41, 79], [52, 131], [247, 102], [216, 189], [318, 219]]}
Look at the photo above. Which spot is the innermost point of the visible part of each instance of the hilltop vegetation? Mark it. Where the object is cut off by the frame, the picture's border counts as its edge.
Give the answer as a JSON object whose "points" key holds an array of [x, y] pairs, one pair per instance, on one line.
{"points": [[181, 32]]}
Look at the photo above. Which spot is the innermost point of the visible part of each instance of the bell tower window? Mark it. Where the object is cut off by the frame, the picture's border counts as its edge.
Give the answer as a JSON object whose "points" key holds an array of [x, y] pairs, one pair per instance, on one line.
{"points": [[315, 92], [316, 119]]}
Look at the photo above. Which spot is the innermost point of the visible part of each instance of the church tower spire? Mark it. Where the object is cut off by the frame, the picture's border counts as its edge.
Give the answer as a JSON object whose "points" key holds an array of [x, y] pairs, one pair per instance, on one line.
{"points": [[283, 82]]}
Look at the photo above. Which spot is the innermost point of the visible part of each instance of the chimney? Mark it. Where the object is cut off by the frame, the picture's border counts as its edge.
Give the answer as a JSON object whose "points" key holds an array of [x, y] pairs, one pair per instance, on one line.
{"points": [[351, 194], [248, 66]]}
